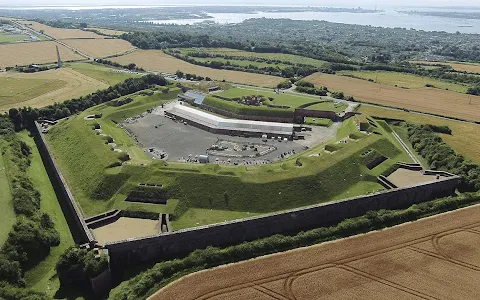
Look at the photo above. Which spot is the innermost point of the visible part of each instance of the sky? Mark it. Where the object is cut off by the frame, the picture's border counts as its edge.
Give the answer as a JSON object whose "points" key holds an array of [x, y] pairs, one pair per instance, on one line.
{"points": [[331, 3]]}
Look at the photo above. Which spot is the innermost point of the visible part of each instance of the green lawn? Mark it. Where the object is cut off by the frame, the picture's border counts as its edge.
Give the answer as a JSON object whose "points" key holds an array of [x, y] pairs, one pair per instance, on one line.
{"points": [[295, 59], [11, 38], [287, 99], [43, 276], [405, 80], [8, 215], [329, 105], [14, 90], [318, 122], [101, 73]]}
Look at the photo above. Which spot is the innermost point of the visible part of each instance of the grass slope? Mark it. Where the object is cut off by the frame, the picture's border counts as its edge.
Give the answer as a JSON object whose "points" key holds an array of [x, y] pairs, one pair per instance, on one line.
{"points": [[83, 155], [43, 277]]}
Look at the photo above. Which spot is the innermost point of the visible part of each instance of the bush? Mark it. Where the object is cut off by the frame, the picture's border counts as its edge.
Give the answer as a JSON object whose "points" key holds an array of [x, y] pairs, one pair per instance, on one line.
{"points": [[285, 84], [29, 242], [303, 83], [91, 265], [441, 157]]}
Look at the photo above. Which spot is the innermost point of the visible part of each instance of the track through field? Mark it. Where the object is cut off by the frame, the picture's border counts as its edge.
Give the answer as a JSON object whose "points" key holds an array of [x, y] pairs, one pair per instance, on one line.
{"points": [[433, 258]]}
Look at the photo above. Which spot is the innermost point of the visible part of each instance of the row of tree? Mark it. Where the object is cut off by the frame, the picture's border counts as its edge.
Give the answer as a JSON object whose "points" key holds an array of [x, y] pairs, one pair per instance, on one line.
{"points": [[440, 156], [34, 233]]}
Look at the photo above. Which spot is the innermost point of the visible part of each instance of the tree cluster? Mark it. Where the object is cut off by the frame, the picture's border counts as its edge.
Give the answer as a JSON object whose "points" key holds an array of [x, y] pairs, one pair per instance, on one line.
{"points": [[130, 66], [441, 157], [309, 88], [34, 233], [88, 261]]}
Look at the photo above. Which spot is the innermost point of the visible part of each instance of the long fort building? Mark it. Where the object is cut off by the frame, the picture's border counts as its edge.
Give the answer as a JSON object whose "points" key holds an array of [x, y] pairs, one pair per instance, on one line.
{"points": [[219, 125]]}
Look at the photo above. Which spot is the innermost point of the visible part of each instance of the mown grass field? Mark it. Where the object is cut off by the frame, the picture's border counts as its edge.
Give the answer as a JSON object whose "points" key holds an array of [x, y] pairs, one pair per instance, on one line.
{"points": [[157, 60], [101, 73], [429, 100], [43, 277], [34, 53], [318, 122], [6, 207], [405, 80], [287, 99], [14, 90], [11, 38], [464, 136], [45, 88], [329, 105], [295, 59]]}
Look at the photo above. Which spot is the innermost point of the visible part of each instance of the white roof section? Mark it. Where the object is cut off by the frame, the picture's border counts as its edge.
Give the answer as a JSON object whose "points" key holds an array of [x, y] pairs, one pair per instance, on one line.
{"points": [[198, 97], [213, 121]]}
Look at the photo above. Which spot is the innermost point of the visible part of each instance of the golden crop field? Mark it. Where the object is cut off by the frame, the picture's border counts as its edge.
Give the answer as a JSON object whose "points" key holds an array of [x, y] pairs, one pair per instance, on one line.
{"points": [[433, 258], [33, 53], [474, 68], [464, 134], [99, 48], [156, 60], [49, 87], [61, 33], [429, 100]]}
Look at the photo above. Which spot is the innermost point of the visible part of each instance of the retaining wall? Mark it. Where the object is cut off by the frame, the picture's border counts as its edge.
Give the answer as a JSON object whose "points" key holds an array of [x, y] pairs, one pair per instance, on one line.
{"points": [[229, 114], [301, 113], [134, 251], [75, 215]]}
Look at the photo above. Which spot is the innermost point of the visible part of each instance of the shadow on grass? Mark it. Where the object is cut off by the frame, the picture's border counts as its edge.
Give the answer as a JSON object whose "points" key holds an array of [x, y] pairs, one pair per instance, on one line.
{"points": [[75, 291]]}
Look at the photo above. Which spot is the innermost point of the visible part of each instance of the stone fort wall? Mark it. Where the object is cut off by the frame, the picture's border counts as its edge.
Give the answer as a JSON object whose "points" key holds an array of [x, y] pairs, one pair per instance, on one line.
{"points": [[173, 244], [134, 251], [70, 208]]}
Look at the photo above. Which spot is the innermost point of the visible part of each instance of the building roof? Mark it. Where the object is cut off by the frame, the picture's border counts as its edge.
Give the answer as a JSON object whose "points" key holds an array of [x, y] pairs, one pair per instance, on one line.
{"points": [[198, 97], [217, 122]]}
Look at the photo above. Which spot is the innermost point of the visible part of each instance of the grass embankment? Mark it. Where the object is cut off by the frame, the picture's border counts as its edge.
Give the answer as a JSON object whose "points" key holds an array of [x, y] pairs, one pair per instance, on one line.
{"points": [[43, 276], [463, 138], [101, 73], [14, 90], [83, 156], [6, 207], [405, 80]]}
